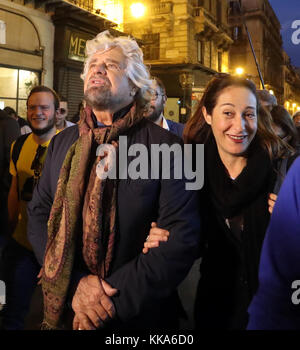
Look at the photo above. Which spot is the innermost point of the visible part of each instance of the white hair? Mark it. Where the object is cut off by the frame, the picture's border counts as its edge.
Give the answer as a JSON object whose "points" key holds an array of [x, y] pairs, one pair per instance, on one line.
{"points": [[135, 70]]}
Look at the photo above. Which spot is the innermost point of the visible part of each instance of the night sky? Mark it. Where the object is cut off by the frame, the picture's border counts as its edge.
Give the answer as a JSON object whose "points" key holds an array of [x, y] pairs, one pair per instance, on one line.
{"points": [[287, 12]]}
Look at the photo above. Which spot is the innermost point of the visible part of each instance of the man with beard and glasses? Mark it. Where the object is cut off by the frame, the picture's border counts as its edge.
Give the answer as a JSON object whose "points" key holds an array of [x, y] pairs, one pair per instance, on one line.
{"points": [[28, 152], [88, 230], [156, 110]]}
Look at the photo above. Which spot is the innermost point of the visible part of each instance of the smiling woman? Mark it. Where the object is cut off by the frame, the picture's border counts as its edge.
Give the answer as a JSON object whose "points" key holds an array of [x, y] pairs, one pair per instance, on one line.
{"points": [[242, 153]]}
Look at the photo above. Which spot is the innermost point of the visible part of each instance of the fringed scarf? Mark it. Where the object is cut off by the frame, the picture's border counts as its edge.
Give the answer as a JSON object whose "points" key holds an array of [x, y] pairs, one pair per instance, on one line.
{"points": [[81, 193]]}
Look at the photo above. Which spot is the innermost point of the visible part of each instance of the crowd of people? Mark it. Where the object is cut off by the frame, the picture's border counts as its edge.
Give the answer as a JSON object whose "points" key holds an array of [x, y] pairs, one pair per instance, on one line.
{"points": [[112, 253]]}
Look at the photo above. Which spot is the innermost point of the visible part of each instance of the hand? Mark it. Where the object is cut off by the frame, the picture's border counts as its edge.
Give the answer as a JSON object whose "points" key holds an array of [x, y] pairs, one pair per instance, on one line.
{"points": [[92, 304], [271, 201], [156, 235], [40, 276]]}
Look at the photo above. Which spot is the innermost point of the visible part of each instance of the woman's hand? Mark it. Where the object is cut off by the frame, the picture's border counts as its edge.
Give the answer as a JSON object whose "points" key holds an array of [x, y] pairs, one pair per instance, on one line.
{"points": [[271, 201], [155, 236]]}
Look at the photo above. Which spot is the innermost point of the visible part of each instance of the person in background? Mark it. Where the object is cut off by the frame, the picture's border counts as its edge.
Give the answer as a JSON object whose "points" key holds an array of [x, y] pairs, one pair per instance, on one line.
{"points": [[156, 111], [266, 99], [284, 126], [61, 117], [241, 160], [28, 152], [296, 120], [285, 129], [275, 305], [24, 126], [9, 132], [76, 116]]}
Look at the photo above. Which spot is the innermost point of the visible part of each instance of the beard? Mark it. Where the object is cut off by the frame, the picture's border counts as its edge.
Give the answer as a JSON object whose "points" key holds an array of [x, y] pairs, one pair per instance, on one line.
{"points": [[155, 113], [45, 130], [100, 98]]}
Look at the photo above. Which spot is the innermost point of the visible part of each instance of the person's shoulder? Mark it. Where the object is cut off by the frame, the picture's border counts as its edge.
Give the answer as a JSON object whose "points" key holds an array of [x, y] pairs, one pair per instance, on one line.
{"points": [[158, 134], [296, 165], [175, 127], [177, 124], [69, 123], [66, 136], [7, 120]]}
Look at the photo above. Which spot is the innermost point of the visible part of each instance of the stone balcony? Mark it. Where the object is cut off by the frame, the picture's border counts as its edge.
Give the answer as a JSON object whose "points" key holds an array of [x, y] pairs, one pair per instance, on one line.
{"points": [[208, 28]]}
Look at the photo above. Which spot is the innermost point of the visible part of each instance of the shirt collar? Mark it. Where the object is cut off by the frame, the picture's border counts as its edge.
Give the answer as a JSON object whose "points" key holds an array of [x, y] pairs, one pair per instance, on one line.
{"points": [[165, 123]]}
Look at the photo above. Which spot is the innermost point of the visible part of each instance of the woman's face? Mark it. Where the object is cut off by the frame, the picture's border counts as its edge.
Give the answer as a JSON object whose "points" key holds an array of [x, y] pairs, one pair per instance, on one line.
{"points": [[233, 120]]}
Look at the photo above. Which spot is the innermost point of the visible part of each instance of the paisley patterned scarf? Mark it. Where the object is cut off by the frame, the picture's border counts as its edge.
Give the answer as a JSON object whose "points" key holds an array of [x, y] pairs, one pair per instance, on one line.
{"points": [[80, 192]]}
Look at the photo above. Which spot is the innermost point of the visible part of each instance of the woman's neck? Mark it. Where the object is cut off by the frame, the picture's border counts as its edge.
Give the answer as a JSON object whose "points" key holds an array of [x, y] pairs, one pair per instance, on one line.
{"points": [[233, 164]]}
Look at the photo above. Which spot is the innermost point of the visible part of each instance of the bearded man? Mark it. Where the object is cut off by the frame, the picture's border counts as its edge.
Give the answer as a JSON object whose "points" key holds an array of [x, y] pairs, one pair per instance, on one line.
{"points": [[91, 249], [156, 110], [28, 153]]}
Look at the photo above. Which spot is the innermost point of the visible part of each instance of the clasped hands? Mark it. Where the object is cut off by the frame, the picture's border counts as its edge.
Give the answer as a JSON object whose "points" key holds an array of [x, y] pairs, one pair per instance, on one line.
{"points": [[92, 303]]}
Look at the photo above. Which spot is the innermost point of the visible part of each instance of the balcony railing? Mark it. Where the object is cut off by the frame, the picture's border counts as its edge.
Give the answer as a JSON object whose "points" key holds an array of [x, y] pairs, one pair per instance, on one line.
{"points": [[162, 8], [203, 15]]}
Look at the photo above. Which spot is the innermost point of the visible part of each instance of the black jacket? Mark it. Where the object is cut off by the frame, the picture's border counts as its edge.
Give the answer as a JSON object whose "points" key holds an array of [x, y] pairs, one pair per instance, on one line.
{"points": [[146, 283]]}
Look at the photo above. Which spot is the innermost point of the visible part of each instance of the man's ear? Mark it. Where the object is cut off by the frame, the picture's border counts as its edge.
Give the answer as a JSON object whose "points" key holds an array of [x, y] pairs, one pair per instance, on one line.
{"points": [[207, 116], [164, 99], [133, 91]]}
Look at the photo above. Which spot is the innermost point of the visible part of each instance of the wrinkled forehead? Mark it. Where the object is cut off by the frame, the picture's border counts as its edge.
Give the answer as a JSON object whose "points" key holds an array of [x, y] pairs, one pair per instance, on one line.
{"points": [[114, 54]]}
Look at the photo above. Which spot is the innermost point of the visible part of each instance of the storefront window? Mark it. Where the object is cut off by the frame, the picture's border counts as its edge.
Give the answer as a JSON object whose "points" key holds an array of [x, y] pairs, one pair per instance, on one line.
{"points": [[15, 85]]}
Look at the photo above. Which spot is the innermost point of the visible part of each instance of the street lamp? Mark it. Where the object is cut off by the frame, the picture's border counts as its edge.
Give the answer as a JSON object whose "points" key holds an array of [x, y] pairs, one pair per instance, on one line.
{"points": [[137, 10], [294, 106], [239, 71]]}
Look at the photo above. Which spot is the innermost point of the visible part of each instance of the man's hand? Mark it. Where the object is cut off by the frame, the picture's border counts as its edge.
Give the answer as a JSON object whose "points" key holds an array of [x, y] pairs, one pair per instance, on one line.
{"points": [[39, 276], [92, 304], [271, 202]]}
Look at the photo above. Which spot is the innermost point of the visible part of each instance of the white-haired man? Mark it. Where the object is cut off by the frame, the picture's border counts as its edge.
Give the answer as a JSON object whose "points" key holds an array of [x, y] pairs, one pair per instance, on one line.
{"points": [[97, 226]]}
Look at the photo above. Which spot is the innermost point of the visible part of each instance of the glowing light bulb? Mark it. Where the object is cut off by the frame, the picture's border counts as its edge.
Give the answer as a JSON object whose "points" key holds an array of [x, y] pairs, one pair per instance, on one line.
{"points": [[137, 10]]}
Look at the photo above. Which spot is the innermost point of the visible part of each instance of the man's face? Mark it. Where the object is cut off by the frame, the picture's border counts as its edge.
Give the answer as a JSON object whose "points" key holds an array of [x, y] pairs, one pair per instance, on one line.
{"points": [[268, 105], [61, 114], [297, 121], [157, 104], [41, 112], [106, 86]]}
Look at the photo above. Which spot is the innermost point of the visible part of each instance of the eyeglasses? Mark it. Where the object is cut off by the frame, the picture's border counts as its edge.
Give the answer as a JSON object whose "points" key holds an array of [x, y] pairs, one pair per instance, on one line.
{"points": [[155, 96], [62, 110]]}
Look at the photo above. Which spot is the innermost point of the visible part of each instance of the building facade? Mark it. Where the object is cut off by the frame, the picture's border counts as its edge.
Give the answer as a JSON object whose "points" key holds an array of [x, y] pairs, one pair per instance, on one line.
{"points": [[264, 29], [26, 52], [291, 86], [185, 42], [43, 42]]}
